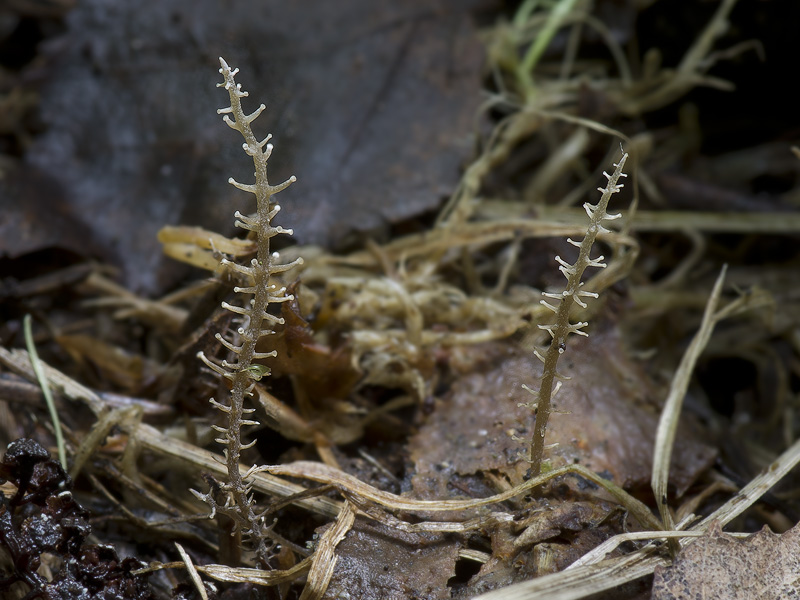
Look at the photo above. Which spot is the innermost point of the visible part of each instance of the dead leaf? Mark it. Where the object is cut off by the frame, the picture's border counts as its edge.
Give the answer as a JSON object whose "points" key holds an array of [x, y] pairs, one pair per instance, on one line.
{"points": [[322, 371], [762, 566], [371, 104]]}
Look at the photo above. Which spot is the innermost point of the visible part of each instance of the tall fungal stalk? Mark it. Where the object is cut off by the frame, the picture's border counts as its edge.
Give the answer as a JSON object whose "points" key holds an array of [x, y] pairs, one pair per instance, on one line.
{"points": [[564, 301], [258, 292]]}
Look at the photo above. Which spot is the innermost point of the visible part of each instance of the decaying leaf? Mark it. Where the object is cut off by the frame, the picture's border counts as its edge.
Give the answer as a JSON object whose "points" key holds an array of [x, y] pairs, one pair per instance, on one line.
{"points": [[764, 566], [369, 93]]}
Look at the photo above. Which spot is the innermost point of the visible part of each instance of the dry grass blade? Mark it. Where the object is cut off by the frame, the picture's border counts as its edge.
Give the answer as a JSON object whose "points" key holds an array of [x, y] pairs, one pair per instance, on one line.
{"points": [[19, 362], [670, 415], [193, 574], [675, 220], [154, 440], [239, 574], [256, 576], [582, 581], [750, 493], [691, 71], [324, 559], [613, 543], [473, 234], [158, 312], [355, 487], [98, 434]]}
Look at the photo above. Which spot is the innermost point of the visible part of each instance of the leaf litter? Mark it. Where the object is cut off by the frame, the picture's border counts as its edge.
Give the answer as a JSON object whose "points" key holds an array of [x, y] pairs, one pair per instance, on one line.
{"points": [[395, 401]]}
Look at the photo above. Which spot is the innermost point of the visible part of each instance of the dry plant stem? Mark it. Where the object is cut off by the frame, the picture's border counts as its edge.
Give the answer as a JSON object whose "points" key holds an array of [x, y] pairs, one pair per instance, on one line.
{"points": [[560, 330], [193, 574], [255, 318], [690, 72], [359, 492], [324, 559], [670, 415], [100, 430], [645, 221], [237, 575]]}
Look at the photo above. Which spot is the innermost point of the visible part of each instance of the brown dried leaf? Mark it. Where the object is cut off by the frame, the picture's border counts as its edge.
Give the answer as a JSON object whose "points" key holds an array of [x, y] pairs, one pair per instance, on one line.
{"points": [[323, 372], [764, 566], [371, 104], [322, 377]]}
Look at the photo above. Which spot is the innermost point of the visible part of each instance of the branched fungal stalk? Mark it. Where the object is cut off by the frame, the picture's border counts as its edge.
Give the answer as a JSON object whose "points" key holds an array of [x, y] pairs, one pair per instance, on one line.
{"points": [[260, 291], [572, 294]]}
